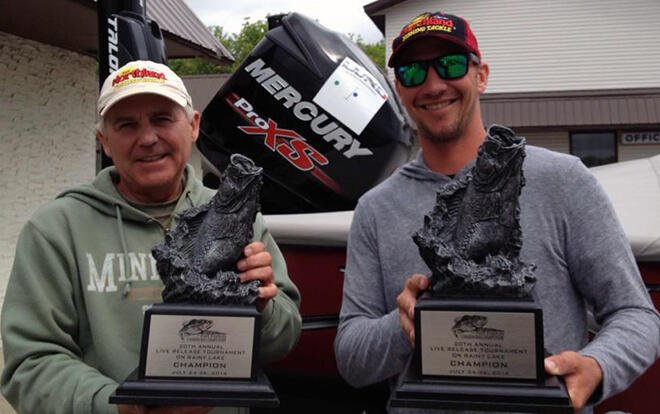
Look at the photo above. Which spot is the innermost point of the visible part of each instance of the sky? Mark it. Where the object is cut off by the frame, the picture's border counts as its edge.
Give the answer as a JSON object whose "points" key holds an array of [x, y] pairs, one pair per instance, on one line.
{"points": [[344, 16]]}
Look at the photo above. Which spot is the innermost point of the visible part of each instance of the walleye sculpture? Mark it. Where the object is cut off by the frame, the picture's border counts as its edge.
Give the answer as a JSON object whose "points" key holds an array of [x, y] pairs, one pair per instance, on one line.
{"points": [[197, 262], [471, 240]]}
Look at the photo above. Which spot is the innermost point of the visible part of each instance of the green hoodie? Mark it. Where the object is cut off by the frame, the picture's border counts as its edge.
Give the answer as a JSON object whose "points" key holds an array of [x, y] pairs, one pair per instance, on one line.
{"points": [[82, 277]]}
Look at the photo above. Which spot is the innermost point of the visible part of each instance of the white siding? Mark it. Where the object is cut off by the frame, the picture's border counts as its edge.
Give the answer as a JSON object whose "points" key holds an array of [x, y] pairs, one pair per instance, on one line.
{"points": [[47, 101], [554, 45]]}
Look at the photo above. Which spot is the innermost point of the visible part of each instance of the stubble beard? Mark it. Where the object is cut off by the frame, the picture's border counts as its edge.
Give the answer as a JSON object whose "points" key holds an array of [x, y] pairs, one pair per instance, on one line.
{"points": [[451, 132], [455, 130]]}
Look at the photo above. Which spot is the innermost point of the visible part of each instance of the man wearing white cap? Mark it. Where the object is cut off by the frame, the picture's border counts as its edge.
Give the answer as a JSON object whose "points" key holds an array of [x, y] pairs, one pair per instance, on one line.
{"points": [[83, 272]]}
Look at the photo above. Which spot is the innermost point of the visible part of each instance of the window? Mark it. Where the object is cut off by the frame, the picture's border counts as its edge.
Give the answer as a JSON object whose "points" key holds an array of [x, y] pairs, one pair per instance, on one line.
{"points": [[594, 148]]}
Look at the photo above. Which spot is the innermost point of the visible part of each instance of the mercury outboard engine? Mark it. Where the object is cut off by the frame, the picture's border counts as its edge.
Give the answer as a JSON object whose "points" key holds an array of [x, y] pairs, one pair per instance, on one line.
{"points": [[125, 34], [311, 108]]}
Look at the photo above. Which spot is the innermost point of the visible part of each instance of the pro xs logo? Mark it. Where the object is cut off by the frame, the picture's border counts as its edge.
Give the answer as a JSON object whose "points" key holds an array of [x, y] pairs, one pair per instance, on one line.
{"points": [[286, 142]]}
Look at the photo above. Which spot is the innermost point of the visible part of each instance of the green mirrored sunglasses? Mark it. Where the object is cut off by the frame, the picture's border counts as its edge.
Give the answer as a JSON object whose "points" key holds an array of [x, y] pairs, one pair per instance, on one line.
{"points": [[451, 66]]}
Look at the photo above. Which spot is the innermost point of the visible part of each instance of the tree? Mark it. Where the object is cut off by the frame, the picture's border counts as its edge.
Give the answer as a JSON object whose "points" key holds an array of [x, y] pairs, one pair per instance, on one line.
{"points": [[195, 66], [375, 51], [242, 44]]}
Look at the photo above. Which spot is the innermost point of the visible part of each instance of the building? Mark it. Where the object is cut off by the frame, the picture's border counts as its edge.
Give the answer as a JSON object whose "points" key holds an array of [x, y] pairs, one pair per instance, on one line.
{"points": [[578, 77]]}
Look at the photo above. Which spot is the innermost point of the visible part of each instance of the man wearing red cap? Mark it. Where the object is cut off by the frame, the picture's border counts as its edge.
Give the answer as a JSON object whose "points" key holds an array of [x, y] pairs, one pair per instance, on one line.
{"points": [[570, 232]]}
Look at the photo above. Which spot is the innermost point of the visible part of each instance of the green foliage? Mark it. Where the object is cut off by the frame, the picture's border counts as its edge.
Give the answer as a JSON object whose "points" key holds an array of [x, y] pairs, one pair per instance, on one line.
{"points": [[195, 66], [375, 51], [241, 44]]}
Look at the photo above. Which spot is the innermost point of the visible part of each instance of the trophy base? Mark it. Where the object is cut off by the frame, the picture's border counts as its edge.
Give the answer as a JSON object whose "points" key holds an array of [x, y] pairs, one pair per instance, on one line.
{"points": [[414, 391], [223, 392]]}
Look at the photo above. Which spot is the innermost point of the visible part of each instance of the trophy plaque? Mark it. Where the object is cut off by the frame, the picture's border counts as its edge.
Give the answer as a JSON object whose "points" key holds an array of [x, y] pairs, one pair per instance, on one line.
{"points": [[200, 346], [478, 331]]}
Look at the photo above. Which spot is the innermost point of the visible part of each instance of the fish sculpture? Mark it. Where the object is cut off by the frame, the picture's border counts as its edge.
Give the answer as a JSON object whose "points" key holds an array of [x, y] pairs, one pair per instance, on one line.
{"points": [[471, 240], [197, 261]]}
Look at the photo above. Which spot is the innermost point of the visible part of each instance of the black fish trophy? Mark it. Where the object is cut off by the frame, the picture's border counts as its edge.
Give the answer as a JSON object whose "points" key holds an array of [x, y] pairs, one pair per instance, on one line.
{"points": [[200, 346], [197, 262], [478, 331]]}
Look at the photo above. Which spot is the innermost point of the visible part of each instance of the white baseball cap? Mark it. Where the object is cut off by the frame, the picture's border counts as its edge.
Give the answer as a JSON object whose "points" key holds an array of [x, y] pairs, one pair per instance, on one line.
{"points": [[141, 76]]}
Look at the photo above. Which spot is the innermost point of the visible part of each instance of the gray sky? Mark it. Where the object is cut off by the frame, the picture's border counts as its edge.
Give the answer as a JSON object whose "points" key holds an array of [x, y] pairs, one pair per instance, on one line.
{"points": [[344, 16]]}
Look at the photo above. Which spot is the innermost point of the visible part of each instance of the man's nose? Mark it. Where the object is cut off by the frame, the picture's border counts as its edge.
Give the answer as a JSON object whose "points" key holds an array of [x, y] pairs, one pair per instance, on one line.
{"points": [[434, 83], [147, 135]]}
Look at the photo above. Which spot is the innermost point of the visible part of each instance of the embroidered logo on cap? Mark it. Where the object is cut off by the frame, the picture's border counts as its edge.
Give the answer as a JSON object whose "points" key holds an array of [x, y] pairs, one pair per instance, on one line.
{"points": [[132, 75], [428, 22]]}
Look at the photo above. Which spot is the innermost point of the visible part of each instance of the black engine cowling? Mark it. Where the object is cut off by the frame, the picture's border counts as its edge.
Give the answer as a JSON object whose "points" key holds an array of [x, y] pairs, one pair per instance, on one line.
{"points": [[311, 108]]}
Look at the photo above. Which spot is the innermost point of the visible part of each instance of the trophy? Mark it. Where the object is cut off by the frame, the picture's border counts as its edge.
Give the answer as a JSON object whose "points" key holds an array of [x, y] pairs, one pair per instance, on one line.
{"points": [[200, 346], [478, 331]]}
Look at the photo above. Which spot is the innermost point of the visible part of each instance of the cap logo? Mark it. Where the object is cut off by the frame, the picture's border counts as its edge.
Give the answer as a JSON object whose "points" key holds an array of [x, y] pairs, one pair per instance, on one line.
{"points": [[130, 75], [425, 22]]}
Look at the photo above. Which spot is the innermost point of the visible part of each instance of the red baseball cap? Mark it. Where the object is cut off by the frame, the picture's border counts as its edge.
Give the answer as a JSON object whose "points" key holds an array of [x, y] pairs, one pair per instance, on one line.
{"points": [[445, 26]]}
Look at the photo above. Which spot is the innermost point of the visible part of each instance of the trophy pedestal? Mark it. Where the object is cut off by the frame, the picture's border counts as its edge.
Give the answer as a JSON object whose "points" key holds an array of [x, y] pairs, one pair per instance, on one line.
{"points": [[234, 393], [198, 355], [414, 391], [479, 354]]}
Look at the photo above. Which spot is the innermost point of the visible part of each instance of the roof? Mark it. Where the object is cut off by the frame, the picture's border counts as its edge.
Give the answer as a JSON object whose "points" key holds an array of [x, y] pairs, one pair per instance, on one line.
{"points": [[373, 10], [202, 88], [72, 25], [177, 20], [634, 188], [575, 108]]}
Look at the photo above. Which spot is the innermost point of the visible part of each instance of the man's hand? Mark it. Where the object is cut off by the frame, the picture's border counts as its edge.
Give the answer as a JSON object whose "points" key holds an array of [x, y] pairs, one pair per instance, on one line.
{"points": [[582, 375], [161, 409], [257, 265], [415, 285]]}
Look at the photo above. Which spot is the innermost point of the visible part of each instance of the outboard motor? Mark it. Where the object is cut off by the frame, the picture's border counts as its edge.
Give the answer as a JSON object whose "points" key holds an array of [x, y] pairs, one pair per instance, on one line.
{"points": [[311, 108], [125, 34]]}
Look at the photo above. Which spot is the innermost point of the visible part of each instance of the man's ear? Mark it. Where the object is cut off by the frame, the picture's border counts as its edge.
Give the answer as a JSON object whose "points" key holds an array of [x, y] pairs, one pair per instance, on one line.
{"points": [[397, 86], [104, 143], [482, 77], [195, 125]]}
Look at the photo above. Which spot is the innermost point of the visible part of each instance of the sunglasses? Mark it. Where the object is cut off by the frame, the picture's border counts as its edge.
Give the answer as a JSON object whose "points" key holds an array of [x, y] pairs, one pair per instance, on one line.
{"points": [[452, 66]]}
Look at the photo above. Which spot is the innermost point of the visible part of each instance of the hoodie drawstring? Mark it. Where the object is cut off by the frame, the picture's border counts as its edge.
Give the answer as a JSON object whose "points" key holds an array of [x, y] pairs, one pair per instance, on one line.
{"points": [[124, 247], [188, 197]]}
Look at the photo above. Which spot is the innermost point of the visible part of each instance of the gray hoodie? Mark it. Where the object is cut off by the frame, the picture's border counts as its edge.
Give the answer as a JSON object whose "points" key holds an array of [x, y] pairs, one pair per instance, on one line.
{"points": [[570, 231]]}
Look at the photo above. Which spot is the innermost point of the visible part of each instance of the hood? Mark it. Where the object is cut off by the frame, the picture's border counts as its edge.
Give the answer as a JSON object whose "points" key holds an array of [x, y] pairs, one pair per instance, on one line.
{"points": [[102, 195], [418, 170]]}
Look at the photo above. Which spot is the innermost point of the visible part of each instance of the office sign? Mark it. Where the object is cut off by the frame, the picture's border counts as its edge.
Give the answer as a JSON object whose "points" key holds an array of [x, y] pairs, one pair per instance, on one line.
{"points": [[640, 137]]}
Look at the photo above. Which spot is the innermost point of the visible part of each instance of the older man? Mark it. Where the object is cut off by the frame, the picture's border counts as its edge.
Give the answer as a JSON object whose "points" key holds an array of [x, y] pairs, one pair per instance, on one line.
{"points": [[570, 232], [83, 272]]}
